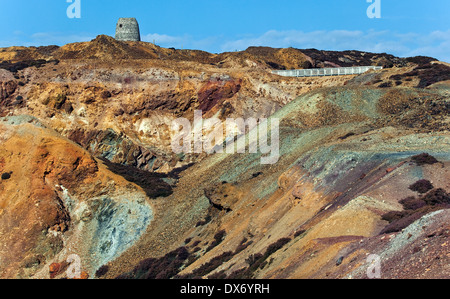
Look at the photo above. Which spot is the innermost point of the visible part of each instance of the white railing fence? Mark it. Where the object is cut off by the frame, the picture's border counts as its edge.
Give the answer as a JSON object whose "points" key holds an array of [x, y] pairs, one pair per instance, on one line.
{"points": [[337, 71]]}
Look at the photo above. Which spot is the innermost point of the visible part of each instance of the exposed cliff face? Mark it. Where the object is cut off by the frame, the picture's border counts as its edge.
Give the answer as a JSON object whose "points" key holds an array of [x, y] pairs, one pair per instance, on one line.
{"points": [[58, 200], [123, 111], [322, 203], [85, 143]]}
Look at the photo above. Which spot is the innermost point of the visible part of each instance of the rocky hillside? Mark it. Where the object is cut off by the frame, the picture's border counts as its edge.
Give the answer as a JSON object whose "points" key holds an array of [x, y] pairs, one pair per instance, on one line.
{"points": [[343, 189], [56, 199], [87, 165]]}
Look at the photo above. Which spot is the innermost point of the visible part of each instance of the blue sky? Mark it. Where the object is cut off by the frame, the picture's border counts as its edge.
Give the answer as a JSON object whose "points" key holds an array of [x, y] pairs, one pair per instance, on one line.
{"points": [[406, 27]]}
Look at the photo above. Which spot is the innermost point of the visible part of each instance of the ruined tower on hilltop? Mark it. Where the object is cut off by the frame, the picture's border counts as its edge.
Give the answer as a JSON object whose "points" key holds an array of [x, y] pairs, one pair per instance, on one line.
{"points": [[127, 29]]}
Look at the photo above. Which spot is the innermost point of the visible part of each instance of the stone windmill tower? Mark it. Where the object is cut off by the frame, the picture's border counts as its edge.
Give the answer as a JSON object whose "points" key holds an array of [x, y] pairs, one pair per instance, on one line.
{"points": [[127, 29]]}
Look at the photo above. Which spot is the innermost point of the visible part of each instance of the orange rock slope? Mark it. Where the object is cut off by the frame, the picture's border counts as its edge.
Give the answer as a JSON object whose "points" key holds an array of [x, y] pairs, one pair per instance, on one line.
{"points": [[54, 200]]}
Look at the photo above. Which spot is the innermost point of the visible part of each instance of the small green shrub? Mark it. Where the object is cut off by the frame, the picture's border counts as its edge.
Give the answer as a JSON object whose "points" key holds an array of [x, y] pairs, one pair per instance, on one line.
{"points": [[437, 197], [239, 274], [165, 267], [218, 238], [6, 176], [204, 222], [385, 84], [394, 216], [400, 224], [218, 275], [299, 232], [421, 186], [415, 208], [258, 261], [253, 259], [196, 243], [276, 246], [412, 203], [243, 245], [213, 264], [102, 271], [423, 159]]}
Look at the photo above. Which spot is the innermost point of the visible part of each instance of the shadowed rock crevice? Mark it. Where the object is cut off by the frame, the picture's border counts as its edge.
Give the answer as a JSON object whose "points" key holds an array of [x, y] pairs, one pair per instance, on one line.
{"points": [[152, 183]]}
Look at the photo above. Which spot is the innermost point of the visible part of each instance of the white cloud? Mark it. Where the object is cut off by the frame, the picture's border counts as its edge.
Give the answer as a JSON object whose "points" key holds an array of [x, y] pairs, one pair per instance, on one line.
{"points": [[436, 44], [164, 39], [45, 39], [184, 42], [281, 39], [56, 38]]}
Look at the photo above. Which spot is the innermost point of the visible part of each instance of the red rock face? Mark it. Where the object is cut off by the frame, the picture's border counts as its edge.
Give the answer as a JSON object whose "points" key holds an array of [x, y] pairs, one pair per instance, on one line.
{"points": [[6, 89], [214, 93], [55, 269], [33, 215], [36, 215]]}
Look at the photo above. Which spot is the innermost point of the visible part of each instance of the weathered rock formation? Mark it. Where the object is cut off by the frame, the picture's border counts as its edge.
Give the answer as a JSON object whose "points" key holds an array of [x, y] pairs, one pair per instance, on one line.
{"points": [[87, 168]]}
